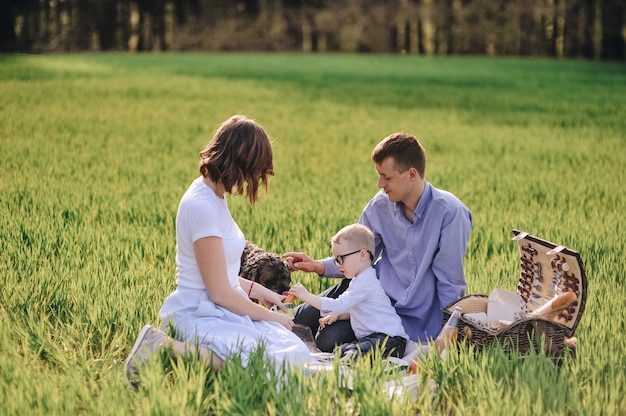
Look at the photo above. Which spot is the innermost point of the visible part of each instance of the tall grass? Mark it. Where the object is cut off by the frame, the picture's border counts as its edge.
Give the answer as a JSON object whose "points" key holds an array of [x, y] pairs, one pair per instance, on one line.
{"points": [[98, 149]]}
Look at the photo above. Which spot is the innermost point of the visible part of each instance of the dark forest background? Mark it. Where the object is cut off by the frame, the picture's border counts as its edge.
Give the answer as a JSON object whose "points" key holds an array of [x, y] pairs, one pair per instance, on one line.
{"points": [[592, 29]]}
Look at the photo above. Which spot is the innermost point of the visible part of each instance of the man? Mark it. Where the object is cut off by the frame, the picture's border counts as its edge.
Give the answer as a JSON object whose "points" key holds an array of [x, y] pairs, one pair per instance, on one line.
{"points": [[421, 235]]}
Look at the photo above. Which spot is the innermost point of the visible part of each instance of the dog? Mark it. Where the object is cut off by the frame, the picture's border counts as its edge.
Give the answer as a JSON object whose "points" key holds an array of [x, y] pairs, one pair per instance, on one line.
{"points": [[265, 268]]}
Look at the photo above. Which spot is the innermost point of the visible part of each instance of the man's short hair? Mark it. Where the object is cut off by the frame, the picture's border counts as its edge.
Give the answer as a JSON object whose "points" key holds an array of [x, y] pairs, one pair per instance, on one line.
{"points": [[405, 149]]}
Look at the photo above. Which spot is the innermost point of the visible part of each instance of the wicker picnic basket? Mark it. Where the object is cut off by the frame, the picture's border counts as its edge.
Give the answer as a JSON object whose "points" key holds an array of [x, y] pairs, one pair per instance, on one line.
{"points": [[546, 269]]}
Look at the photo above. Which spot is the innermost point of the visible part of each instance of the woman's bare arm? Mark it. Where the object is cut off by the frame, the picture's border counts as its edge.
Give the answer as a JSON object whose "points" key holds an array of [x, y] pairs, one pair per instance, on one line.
{"points": [[211, 261]]}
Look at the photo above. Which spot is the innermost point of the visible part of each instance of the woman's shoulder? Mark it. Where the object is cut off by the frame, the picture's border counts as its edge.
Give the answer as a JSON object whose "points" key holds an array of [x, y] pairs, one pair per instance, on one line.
{"points": [[200, 197], [199, 191]]}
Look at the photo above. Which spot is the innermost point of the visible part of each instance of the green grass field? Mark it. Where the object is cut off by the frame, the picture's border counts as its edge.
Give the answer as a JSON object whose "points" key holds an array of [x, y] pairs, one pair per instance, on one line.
{"points": [[98, 149]]}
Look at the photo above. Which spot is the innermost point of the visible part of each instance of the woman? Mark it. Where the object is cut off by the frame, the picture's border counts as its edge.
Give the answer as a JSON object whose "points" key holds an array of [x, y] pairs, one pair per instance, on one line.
{"points": [[211, 305]]}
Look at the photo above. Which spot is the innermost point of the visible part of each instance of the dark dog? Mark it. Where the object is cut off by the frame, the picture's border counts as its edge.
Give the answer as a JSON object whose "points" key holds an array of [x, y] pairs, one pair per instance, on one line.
{"points": [[268, 269]]}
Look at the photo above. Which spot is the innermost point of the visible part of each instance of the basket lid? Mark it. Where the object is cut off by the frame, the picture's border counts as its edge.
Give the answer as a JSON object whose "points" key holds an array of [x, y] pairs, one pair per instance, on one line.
{"points": [[548, 269]]}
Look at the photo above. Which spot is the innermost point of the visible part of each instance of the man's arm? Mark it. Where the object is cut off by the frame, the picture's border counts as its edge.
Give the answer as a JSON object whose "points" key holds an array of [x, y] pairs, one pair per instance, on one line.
{"points": [[302, 262], [448, 263]]}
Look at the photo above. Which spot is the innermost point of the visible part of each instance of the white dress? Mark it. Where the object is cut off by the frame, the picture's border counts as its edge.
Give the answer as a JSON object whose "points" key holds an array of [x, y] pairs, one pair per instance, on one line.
{"points": [[189, 309]]}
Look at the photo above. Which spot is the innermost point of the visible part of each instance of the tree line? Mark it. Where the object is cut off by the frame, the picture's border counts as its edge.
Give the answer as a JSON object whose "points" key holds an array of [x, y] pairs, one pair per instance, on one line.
{"points": [[592, 29]]}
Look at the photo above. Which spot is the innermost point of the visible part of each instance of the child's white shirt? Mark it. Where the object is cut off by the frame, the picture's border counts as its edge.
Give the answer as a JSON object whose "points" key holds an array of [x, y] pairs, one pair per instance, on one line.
{"points": [[368, 305]]}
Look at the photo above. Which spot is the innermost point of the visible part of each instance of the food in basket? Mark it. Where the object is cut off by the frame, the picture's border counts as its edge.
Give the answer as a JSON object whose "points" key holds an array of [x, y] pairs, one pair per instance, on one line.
{"points": [[504, 306], [552, 308], [477, 318], [571, 342]]}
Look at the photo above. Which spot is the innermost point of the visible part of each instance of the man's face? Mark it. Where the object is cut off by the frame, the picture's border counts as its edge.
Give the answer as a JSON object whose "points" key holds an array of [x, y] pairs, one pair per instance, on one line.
{"points": [[396, 184]]}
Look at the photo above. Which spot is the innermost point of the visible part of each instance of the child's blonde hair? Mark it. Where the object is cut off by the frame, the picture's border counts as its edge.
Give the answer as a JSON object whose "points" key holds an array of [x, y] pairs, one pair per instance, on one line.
{"points": [[358, 236]]}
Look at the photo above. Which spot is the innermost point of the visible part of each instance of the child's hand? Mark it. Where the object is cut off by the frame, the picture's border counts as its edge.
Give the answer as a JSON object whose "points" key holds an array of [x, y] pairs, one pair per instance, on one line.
{"points": [[298, 291], [327, 320]]}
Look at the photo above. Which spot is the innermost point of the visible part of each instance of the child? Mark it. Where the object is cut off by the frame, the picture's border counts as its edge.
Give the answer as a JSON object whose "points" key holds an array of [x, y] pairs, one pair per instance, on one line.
{"points": [[372, 316]]}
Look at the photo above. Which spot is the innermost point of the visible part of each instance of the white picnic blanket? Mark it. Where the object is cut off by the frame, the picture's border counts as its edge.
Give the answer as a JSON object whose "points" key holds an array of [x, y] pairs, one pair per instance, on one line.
{"points": [[409, 384]]}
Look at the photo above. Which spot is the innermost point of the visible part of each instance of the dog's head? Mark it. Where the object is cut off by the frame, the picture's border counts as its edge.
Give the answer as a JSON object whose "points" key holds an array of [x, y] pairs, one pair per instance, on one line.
{"points": [[268, 269]]}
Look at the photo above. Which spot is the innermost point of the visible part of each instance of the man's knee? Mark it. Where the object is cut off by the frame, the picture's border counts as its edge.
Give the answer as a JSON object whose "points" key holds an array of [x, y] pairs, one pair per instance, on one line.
{"points": [[306, 314], [333, 335], [324, 342]]}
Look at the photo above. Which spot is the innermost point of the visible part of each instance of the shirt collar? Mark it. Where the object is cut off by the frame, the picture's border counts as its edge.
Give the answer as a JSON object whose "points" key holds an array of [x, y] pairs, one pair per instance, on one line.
{"points": [[425, 199]]}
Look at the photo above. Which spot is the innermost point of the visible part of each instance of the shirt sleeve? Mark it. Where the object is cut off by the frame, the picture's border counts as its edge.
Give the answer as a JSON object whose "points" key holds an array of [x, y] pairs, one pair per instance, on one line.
{"points": [[378, 240], [203, 222], [448, 262], [354, 295], [330, 268]]}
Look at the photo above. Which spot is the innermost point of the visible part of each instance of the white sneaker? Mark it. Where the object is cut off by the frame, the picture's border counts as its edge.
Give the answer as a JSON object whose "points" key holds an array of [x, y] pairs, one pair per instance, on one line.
{"points": [[149, 341]]}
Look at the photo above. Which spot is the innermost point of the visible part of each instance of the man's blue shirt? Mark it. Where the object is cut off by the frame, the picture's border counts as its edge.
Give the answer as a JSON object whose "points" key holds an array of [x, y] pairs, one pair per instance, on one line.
{"points": [[419, 264]]}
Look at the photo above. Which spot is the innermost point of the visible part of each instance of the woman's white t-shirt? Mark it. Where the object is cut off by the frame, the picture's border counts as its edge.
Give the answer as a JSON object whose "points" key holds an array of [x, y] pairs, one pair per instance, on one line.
{"points": [[201, 213], [190, 310]]}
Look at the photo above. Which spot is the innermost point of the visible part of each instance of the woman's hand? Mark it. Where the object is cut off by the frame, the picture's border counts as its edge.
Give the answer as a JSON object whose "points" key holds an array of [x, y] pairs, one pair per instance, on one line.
{"points": [[267, 297], [300, 261], [283, 319]]}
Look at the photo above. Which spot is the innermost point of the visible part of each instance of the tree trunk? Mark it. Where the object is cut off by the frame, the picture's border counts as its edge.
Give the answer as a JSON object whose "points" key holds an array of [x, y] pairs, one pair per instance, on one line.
{"points": [[105, 14], [277, 25], [548, 26], [454, 39], [428, 27], [307, 30], [559, 23], [7, 25], [169, 21], [526, 30], [401, 25], [573, 29], [134, 17], [612, 29], [413, 36]]}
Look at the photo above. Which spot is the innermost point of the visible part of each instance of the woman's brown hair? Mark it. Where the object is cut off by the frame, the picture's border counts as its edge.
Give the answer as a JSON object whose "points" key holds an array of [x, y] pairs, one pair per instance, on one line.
{"points": [[240, 153]]}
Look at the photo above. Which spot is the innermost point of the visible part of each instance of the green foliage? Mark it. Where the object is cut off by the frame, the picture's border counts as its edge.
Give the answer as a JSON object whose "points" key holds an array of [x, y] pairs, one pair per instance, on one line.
{"points": [[98, 149]]}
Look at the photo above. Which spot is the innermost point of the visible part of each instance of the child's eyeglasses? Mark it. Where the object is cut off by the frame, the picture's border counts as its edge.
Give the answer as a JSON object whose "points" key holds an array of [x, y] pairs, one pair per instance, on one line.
{"points": [[339, 259]]}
